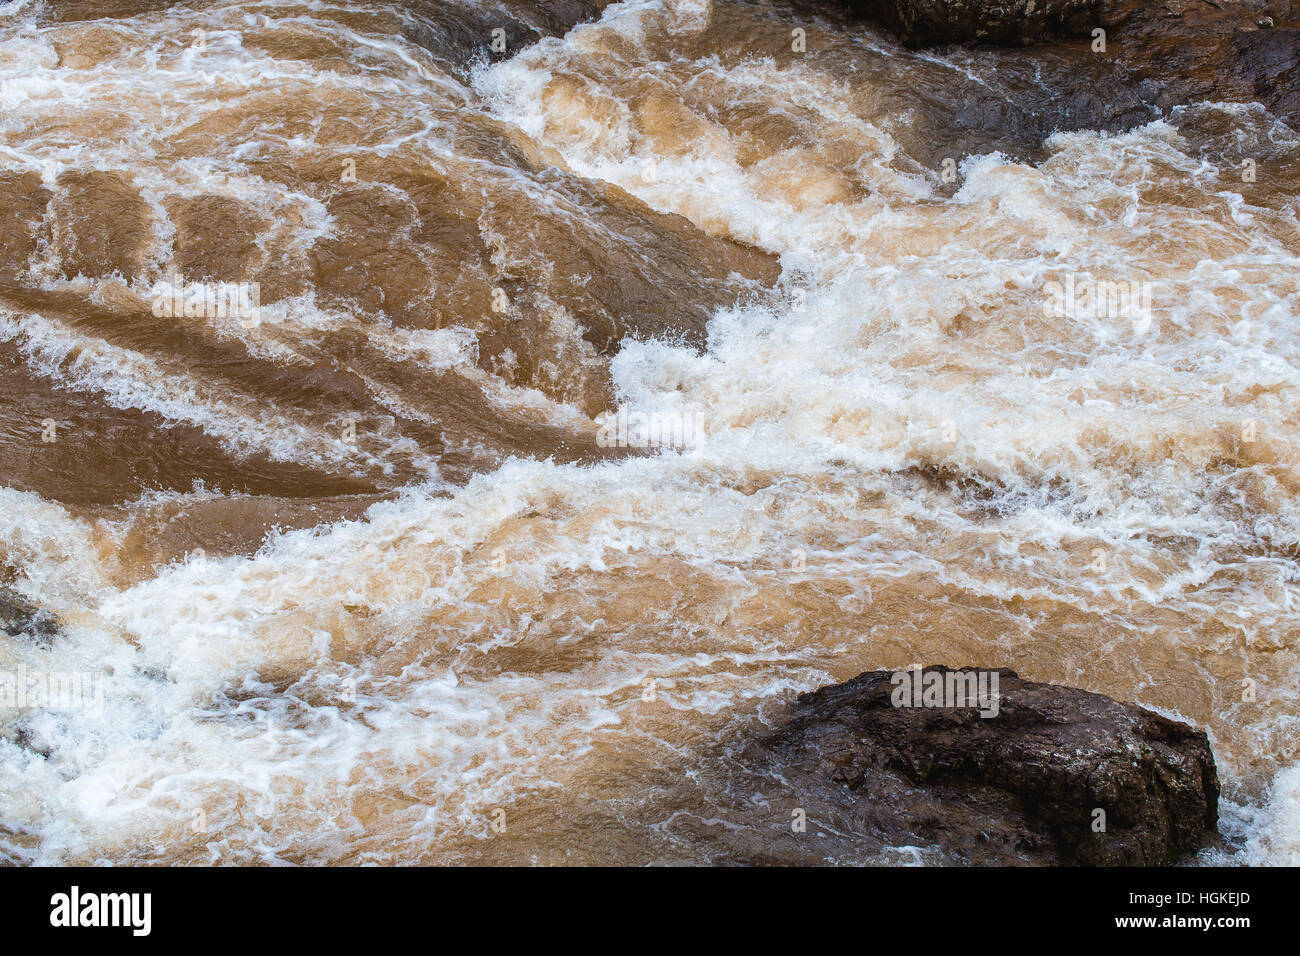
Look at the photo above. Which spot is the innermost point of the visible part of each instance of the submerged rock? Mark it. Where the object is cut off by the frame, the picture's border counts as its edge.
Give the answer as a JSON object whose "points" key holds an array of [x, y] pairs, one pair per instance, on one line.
{"points": [[1032, 773], [20, 617]]}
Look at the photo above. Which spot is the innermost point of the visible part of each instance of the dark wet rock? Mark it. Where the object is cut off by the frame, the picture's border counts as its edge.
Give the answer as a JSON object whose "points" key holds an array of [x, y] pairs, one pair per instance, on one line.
{"points": [[460, 34], [20, 617], [1166, 52], [1019, 787], [927, 22], [1195, 50]]}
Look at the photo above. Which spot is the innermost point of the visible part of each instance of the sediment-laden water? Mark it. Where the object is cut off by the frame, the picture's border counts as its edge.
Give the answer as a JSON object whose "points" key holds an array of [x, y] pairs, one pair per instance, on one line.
{"points": [[362, 573]]}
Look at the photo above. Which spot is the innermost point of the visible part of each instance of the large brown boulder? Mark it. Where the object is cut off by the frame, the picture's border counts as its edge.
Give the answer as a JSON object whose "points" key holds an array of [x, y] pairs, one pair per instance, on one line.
{"points": [[1056, 776]]}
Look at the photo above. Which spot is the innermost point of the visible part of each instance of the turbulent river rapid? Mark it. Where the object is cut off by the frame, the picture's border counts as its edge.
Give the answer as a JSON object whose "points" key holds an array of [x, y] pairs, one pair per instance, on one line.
{"points": [[365, 574]]}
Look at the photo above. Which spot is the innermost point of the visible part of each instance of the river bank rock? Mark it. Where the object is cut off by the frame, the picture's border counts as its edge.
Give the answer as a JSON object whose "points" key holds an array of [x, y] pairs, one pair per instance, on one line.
{"points": [[1193, 50], [460, 33], [1173, 51], [1057, 776]]}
